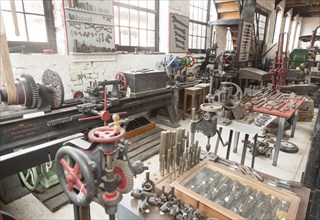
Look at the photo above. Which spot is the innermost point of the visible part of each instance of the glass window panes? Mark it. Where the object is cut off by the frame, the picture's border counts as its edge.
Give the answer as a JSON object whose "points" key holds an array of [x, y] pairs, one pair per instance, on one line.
{"points": [[10, 30], [33, 7], [36, 31], [116, 15], [198, 24], [139, 16], [134, 18], [124, 16]]}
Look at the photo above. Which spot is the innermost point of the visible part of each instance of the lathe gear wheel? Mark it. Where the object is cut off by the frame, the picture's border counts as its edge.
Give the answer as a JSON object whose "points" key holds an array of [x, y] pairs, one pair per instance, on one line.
{"points": [[123, 81], [122, 169], [112, 201], [78, 181], [33, 101], [55, 86]]}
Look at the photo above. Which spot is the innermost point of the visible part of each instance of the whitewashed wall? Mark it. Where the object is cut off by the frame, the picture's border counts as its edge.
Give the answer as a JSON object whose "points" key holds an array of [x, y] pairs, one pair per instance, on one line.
{"points": [[76, 76], [308, 25]]}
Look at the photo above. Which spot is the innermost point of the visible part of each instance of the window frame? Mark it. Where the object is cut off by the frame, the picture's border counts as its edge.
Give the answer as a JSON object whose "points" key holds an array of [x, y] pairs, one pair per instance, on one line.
{"points": [[198, 50], [37, 47], [129, 48], [277, 25], [263, 13]]}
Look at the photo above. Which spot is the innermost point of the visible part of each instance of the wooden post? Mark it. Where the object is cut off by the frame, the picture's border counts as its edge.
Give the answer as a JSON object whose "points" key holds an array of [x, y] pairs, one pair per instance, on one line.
{"points": [[6, 74]]}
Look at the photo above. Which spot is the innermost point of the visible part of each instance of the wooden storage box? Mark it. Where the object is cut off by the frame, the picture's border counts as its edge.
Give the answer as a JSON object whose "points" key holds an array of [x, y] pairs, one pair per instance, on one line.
{"points": [[264, 197]]}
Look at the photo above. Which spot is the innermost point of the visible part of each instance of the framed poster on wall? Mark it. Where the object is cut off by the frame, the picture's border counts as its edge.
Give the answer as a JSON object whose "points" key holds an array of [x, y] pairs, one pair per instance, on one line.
{"points": [[178, 33], [89, 26], [245, 41]]}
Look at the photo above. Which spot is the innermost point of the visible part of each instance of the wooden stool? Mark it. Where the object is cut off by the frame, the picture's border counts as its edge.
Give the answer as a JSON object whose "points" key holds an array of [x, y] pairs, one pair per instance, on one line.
{"points": [[196, 97], [205, 87]]}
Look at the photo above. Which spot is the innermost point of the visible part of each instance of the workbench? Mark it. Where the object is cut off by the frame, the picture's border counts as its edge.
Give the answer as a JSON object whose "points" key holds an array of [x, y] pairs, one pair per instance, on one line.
{"points": [[248, 129], [283, 115]]}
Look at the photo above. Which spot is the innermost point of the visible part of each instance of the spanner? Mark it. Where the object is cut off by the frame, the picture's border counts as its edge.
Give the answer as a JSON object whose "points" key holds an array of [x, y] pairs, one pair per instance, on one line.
{"points": [[179, 41], [176, 20], [179, 35], [179, 29]]}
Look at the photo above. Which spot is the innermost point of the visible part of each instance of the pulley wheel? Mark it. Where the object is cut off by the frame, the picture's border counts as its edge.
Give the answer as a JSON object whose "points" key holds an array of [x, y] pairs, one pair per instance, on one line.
{"points": [[288, 147], [55, 88], [210, 107], [105, 134], [75, 175], [235, 97], [122, 169], [30, 178], [123, 81]]}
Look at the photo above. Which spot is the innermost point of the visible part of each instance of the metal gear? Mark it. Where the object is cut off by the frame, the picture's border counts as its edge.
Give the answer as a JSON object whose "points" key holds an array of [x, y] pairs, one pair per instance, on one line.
{"points": [[121, 168], [33, 101], [114, 201], [56, 90], [211, 107]]}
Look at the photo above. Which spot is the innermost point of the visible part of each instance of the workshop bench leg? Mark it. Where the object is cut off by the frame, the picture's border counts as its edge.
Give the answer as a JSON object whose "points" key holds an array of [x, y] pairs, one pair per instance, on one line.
{"points": [[244, 150], [236, 141], [294, 123], [254, 150], [229, 144], [277, 145]]}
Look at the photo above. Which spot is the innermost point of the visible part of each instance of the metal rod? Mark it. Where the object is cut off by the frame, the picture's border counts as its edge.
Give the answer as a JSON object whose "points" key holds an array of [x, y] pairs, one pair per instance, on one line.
{"points": [[254, 150]]}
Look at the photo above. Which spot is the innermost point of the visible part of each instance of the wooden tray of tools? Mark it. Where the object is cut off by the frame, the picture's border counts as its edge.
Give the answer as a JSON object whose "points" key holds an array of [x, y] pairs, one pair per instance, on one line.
{"points": [[225, 194]]}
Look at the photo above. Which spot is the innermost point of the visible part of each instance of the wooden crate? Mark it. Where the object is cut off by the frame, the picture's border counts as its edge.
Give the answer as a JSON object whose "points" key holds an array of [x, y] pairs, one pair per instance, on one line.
{"points": [[212, 209]]}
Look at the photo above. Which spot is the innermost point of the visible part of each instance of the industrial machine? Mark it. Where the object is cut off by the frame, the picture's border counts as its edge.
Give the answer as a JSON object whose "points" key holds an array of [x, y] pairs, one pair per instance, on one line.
{"points": [[280, 69], [46, 121], [95, 169]]}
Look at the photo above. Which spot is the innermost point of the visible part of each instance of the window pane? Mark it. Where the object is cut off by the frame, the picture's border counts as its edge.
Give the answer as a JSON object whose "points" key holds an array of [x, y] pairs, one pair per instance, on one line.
{"points": [[124, 36], [191, 13], [195, 14], [143, 19], [194, 42], [143, 38], [151, 21], [190, 28], [37, 30], [10, 31], [198, 42], [124, 18], [116, 15], [204, 18], [33, 6], [263, 18], [190, 42], [134, 37], [203, 34], [151, 5], [124, 1], [195, 29], [143, 3], [134, 22], [203, 43], [116, 35], [134, 2], [5, 5], [151, 38]]}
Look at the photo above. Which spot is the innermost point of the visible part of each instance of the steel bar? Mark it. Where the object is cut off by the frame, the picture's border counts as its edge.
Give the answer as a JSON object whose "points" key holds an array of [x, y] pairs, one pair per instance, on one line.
{"points": [[244, 150], [254, 150], [278, 141]]}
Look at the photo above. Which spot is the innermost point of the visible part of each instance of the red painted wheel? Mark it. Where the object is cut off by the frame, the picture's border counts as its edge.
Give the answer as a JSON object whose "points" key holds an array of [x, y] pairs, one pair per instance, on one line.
{"points": [[123, 81], [105, 134], [75, 177], [122, 169], [192, 61]]}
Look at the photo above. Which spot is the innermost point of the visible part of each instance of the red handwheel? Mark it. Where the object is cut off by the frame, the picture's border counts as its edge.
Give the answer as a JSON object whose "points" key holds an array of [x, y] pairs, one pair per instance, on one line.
{"points": [[75, 177], [123, 81], [105, 134], [192, 61]]}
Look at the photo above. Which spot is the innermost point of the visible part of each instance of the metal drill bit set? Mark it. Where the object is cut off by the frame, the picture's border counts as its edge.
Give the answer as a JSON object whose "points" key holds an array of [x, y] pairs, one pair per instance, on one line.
{"points": [[175, 155], [241, 199]]}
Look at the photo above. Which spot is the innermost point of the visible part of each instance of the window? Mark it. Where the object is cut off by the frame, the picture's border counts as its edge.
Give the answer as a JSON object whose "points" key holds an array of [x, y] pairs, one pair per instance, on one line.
{"points": [[199, 17], [35, 24], [292, 34], [277, 25], [136, 25], [260, 23], [296, 40]]}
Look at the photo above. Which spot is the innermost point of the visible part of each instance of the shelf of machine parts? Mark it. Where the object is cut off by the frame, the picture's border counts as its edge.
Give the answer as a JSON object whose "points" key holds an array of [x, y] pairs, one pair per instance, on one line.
{"points": [[87, 11]]}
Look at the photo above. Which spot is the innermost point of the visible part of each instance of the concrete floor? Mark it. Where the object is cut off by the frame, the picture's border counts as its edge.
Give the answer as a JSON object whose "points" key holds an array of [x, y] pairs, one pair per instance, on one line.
{"points": [[290, 167]]}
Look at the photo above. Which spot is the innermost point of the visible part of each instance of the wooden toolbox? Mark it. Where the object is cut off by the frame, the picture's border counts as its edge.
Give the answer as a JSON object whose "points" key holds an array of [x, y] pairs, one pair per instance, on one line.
{"points": [[226, 194]]}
